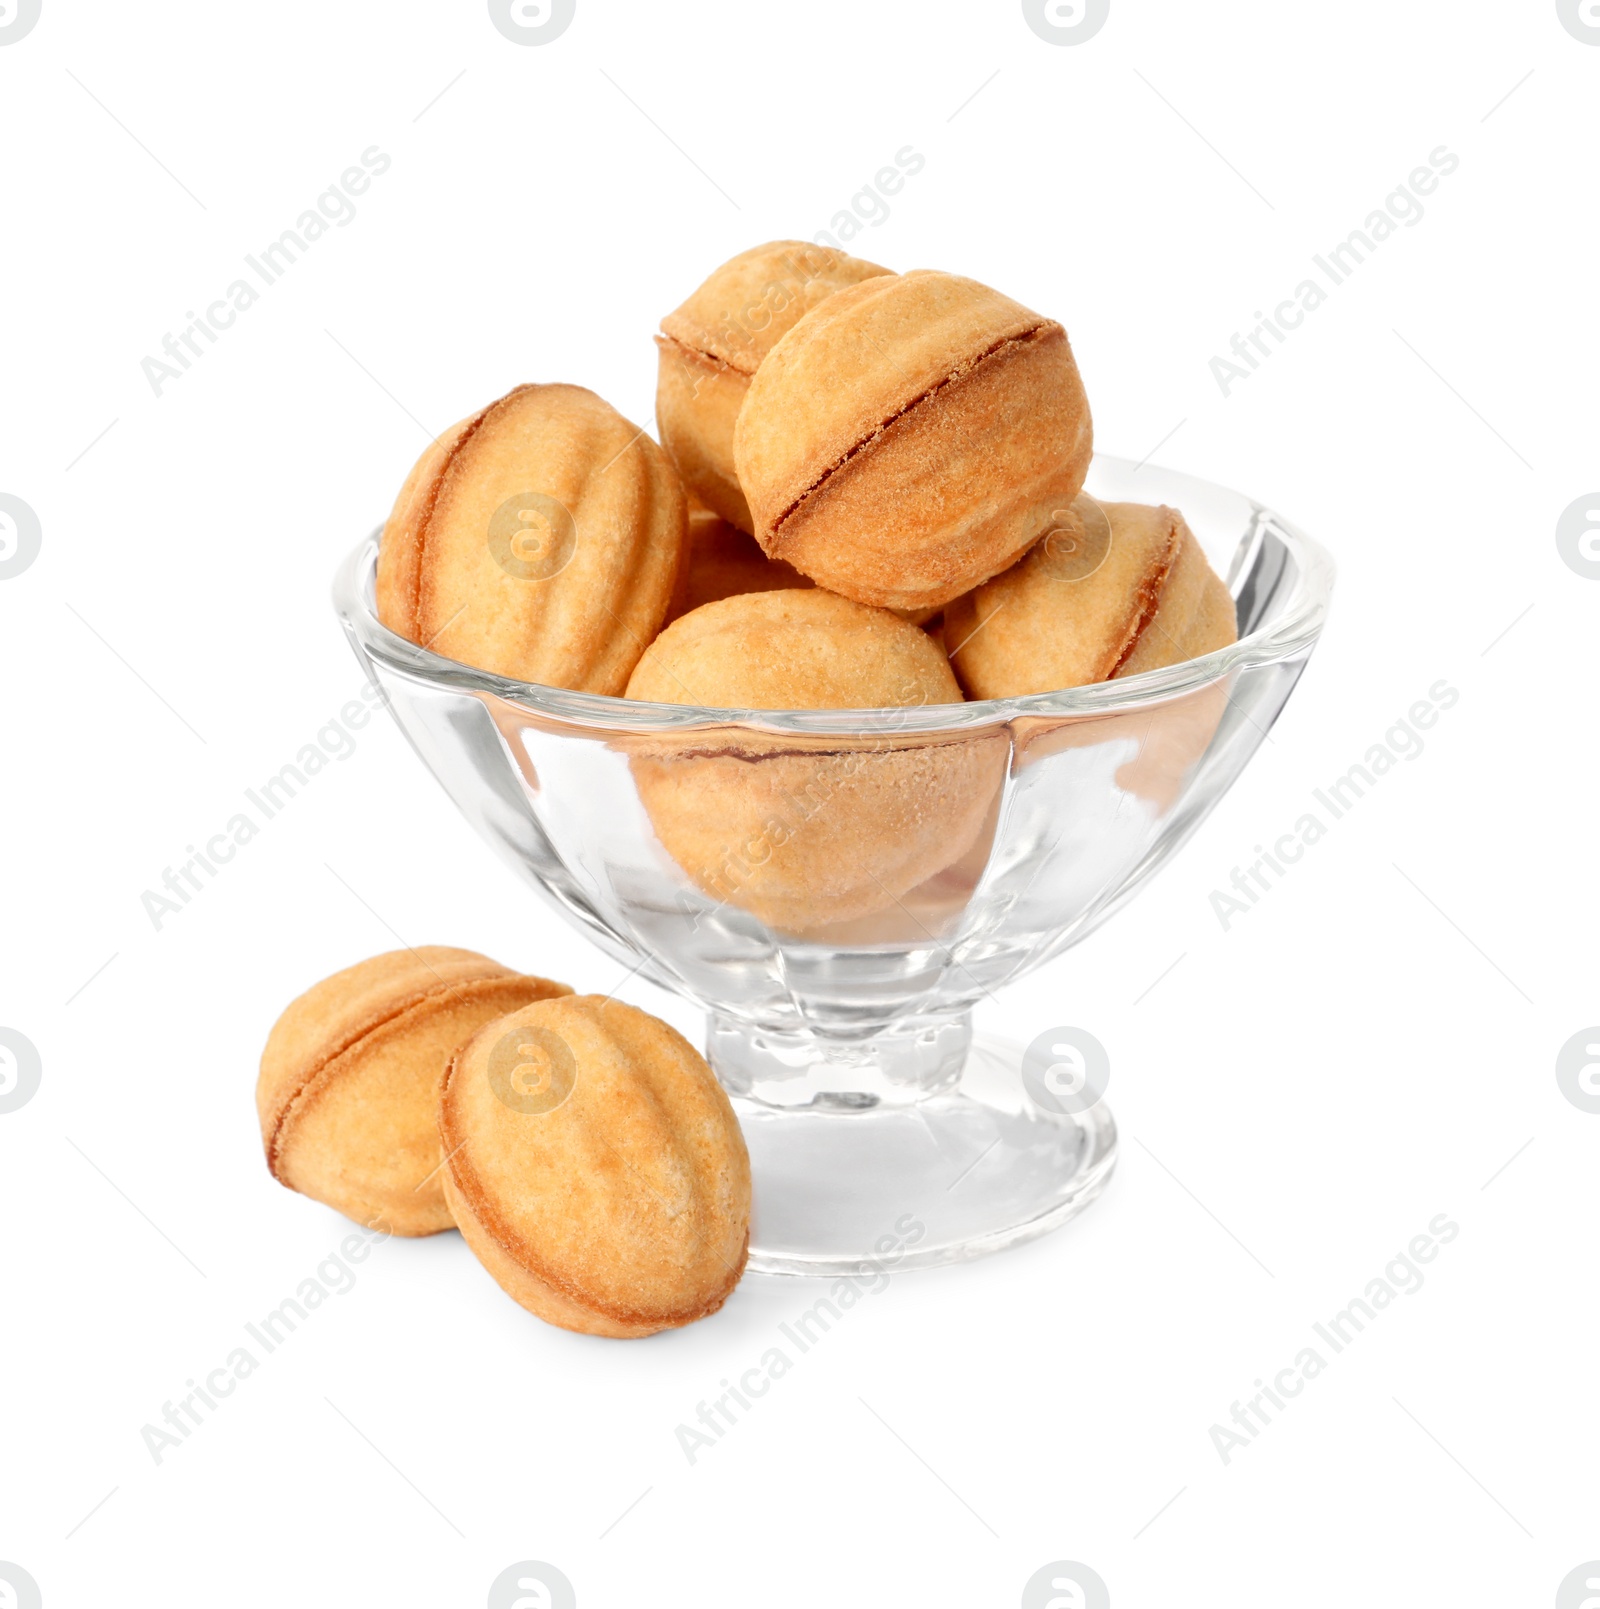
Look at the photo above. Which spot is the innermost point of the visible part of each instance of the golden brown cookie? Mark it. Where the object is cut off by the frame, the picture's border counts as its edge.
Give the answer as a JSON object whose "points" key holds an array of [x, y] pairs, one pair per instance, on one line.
{"points": [[595, 1166], [910, 437], [540, 539], [805, 833], [724, 562], [349, 1086], [711, 346], [805, 649], [1112, 590]]}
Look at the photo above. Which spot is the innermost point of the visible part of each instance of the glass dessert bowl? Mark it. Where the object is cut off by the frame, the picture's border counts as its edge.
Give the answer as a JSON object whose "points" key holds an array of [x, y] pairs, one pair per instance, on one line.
{"points": [[837, 889]]}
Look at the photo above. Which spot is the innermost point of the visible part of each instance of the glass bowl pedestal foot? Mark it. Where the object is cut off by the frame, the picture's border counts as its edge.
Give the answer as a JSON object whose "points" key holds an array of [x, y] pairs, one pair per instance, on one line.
{"points": [[920, 1146]]}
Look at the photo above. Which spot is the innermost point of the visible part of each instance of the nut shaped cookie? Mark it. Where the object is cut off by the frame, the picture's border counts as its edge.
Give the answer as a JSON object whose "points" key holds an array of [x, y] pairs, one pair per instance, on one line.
{"points": [[349, 1086], [711, 346], [807, 833], [1112, 590], [801, 649], [723, 562], [595, 1166], [911, 437], [540, 539]]}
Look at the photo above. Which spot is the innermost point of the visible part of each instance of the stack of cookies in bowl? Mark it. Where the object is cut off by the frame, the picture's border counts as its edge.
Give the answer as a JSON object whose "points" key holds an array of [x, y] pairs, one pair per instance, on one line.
{"points": [[868, 495], [913, 443]]}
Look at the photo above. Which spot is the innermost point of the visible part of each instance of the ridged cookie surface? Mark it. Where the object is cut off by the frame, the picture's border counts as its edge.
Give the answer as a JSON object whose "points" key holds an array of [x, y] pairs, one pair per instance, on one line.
{"points": [[540, 539], [595, 1166]]}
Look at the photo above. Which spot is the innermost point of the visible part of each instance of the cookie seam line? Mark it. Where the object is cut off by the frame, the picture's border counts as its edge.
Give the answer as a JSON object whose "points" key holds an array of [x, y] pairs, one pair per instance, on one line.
{"points": [[320, 1066], [794, 275], [425, 521], [1150, 600], [715, 359], [758, 756], [1026, 337]]}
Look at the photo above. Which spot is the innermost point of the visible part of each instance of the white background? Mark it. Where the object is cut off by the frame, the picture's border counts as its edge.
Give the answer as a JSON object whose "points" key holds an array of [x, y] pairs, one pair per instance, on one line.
{"points": [[1367, 1048]]}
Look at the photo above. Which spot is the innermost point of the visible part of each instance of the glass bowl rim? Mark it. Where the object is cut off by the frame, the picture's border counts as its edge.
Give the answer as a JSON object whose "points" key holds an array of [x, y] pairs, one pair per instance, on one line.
{"points": [[1294, 628]]}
